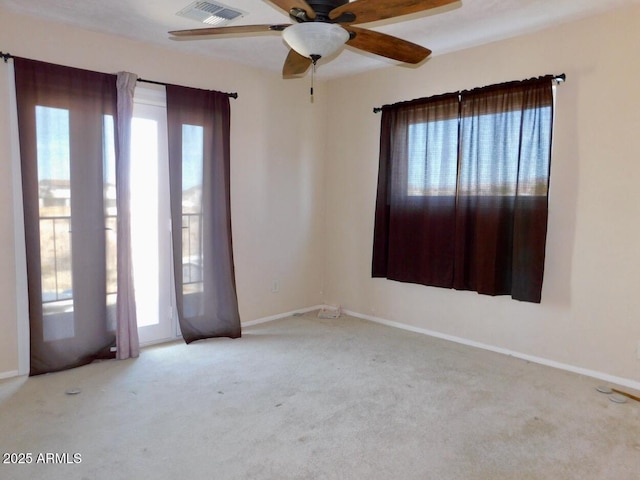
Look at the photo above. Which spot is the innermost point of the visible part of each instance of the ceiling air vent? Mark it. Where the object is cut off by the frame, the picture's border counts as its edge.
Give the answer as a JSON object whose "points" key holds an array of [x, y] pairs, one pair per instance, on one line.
{"points": [[211, 13]]}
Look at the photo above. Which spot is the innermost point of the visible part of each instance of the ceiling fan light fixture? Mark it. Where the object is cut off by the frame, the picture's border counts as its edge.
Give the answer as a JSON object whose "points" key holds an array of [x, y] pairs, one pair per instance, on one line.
{"points": [[315, 39]]}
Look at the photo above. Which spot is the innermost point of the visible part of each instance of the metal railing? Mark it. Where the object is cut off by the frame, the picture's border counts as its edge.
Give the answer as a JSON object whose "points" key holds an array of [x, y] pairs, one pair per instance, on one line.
{"points": [[56, 257], [191, 248], [55, 251]]}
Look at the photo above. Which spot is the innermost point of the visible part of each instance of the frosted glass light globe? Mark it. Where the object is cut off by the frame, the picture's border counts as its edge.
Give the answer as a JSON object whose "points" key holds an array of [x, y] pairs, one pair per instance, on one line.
{"points": [[315, 38]]}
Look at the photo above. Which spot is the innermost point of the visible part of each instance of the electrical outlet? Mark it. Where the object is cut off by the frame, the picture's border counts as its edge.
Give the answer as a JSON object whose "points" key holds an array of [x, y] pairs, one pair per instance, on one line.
{"points": [[275, 286]]}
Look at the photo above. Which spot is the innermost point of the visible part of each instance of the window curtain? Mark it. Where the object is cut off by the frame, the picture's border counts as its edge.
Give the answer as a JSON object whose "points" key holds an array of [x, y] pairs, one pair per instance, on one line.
{"points": [[65, 120], [415, 211], [463, 190], [501, 218], [199, 163], [128, 344]]}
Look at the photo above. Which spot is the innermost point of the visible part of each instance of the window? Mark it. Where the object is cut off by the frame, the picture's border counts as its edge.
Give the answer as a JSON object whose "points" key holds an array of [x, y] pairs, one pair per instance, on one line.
{"points": [[433, 158], [53, 152], [504, 152], [192, 251], [54, 192], [463, 187]]}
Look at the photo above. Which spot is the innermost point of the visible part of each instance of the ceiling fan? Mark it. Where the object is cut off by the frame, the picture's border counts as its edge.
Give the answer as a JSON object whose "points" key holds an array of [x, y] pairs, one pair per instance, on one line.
{"points": [[323, 26]]}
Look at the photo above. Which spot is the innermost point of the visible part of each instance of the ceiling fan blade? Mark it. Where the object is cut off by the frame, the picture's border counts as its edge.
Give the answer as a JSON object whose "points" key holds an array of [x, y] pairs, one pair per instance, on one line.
{"points": [[288, 5], [295, 64], [246, 29], [386, 45], [372, 10]]}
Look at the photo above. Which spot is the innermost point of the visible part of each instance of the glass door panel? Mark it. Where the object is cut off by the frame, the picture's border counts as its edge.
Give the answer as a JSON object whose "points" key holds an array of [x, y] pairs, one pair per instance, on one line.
{"points": [[150, 222]]}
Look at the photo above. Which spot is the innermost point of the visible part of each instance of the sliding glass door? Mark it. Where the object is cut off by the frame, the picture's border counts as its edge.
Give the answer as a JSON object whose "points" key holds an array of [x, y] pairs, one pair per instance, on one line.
{"points": [[150, 218]]}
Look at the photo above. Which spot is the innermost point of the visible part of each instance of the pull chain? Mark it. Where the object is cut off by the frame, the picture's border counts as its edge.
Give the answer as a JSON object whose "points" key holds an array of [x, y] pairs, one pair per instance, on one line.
{"points": [[314, 60], [313, 73]]}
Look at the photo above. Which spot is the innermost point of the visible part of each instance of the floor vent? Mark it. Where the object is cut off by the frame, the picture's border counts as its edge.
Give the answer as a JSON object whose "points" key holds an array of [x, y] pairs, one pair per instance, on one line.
{"points": [[211, 13]]}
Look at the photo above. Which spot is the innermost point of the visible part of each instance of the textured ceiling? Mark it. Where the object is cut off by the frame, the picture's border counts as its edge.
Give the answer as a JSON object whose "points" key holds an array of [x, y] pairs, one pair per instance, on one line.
{"points": [[460, 25]]}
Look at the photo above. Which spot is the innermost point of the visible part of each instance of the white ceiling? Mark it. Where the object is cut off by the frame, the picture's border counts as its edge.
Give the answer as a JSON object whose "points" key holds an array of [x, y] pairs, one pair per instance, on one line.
{"points": [[460, 25]]}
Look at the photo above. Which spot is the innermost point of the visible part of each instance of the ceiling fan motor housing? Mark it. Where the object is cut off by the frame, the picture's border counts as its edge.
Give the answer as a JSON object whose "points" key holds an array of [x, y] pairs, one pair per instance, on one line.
{"points": [[323, 7]]}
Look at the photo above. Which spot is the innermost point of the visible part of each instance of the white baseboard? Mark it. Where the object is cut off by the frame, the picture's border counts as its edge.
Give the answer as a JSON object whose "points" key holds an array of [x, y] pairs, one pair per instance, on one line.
{"points": [[542, 361], [280, 315], [11, 374]]}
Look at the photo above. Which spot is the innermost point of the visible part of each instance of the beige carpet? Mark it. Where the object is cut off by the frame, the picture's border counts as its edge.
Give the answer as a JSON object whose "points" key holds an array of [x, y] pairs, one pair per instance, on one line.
{"points": [[306, 398]]}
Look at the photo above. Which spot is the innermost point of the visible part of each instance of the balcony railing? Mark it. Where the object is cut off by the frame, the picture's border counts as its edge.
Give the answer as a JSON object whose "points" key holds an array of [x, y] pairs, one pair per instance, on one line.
{"points": [[191, 248], [56, 257]]}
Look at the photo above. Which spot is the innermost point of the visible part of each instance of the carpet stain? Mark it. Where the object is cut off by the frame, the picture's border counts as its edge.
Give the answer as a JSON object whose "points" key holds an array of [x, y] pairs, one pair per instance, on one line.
{"points": [[537, 426]]}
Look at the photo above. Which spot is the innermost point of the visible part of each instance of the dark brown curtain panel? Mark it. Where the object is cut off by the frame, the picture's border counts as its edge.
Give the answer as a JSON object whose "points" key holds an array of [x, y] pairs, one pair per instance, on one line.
{"points": [[473, 215], [415, 212], [199, 162], [66, 129], [501, 222]]}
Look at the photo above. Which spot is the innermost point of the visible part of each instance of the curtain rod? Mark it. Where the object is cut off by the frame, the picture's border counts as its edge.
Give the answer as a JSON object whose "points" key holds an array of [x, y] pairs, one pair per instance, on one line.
{"points": [[7, 56], [557, 78], [153, 82]]}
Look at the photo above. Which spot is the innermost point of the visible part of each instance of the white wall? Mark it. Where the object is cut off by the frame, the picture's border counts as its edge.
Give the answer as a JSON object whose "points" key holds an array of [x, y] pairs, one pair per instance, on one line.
{"points": [[276, 164], [590, 312]]}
